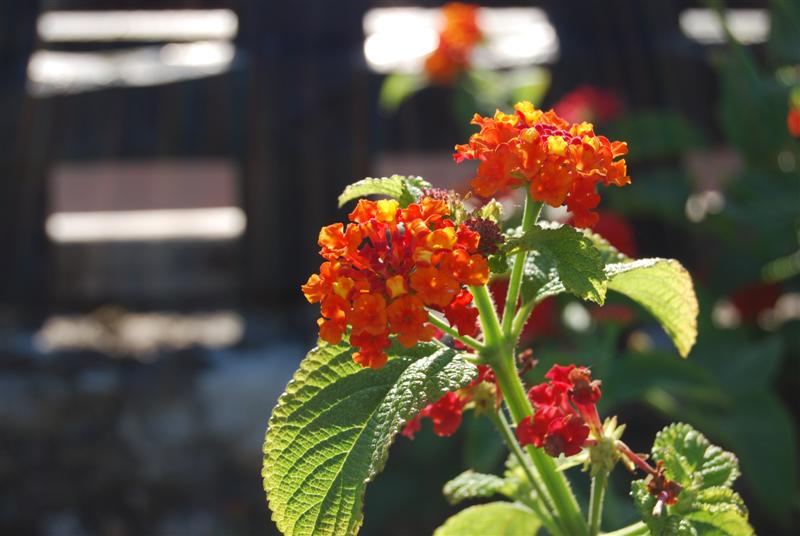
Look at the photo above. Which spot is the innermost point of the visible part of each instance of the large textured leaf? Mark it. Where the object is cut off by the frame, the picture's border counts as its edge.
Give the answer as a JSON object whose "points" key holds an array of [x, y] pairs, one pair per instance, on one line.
{"points": [[497, 519], [706, 506], [330, 433], [404, 189], [662, 286], [563, 254], [665, 289], [472, 485]]}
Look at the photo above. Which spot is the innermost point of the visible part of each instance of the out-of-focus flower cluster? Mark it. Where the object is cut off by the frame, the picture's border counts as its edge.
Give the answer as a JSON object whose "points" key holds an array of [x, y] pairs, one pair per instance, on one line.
{"points": [[447, 412], [389, 264], [565, 413], [588, 103], [457, 39], [560, 163], [793, 122]]}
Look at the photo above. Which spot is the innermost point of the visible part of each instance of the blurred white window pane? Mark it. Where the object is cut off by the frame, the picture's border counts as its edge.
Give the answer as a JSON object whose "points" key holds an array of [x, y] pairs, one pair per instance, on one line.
{"points": [[154, 25], [57, 72], [748, 26]]}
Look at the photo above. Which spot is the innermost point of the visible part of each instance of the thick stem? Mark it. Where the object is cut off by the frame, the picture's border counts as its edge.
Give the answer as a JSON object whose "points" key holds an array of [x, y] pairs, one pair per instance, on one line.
{"points": [[490, 325], [540, 505], [530, 214], [598, 493], [555, 481], [499, 353], [637, 529], [468, 341]]}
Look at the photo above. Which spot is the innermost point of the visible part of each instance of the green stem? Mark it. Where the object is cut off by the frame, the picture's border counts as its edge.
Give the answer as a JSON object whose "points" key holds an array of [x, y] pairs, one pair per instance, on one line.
{"points": [[530, 213], [556, 483], [540, 504], [598, 492], [498, 352], [469, 341], [490, 325], [521, 318], [637, 529]]}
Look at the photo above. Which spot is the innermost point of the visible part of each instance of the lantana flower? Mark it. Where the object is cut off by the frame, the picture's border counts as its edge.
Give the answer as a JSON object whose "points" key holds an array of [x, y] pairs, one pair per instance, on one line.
{"points": [[457, 39], [565, 412], [560, 163], [387, 268]]}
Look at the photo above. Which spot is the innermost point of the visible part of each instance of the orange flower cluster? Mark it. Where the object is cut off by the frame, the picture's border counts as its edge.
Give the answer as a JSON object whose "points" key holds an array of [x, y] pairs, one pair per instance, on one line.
{"points": [[456, 41], [386, 267], [562, 163]]}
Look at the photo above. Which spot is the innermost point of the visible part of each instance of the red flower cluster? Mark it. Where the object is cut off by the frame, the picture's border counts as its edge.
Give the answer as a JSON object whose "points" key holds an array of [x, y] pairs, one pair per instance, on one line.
{"points": [[386, 267], [793, 122], [588, 103], [561, 163], [565, 411], [447, 412], [456, 41]]}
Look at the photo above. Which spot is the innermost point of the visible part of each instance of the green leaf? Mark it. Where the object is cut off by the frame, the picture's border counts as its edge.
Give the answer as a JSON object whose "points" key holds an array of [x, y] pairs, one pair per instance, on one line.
{"points": [[405, 189], [706, 505], [497, 519], [726, 523], [691, 460], [662, 286], [720, 499], [472, 485], [331, 431], [560, 256], [665, 289], [397, 87]]}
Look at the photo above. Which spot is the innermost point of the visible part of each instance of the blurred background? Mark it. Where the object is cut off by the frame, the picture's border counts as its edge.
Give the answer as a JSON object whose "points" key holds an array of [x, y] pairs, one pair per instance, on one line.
{"points": [[165, 166]]}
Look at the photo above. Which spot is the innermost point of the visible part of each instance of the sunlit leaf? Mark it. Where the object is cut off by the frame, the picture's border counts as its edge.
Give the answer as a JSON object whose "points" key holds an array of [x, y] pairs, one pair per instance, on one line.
{"points": [[665, 289], [706, 506], [497, 519], [564, 255], [331, 431], [404, 189]]}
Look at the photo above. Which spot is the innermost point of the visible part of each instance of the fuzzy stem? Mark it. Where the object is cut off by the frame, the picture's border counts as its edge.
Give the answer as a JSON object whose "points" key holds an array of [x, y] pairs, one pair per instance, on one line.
{"points": [[498, 352], [556, 483], [598, 492], [530, 213], [521, 318], [492, 335], [468, 341]]}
